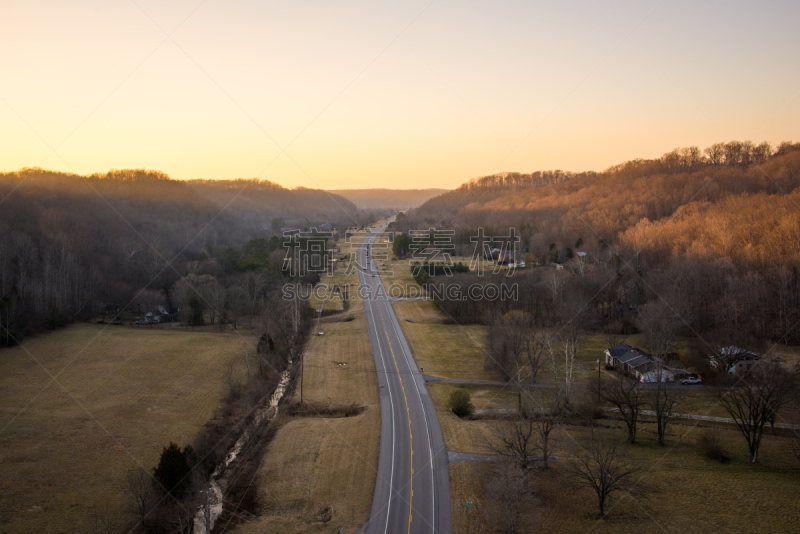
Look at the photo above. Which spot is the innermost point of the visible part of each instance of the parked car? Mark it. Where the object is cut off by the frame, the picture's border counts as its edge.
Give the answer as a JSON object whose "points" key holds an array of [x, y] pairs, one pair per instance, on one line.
{"points": [[691, 381]]}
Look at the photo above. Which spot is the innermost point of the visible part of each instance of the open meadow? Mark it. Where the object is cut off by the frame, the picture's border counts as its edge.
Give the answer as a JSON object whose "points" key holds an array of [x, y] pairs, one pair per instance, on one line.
{"points": [[441, 348], [121, 395], [684, 490]]}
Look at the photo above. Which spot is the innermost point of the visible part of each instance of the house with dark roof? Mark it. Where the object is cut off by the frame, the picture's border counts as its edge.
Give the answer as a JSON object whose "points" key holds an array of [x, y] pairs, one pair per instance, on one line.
{"points": [[617, 351], [645, 367]]}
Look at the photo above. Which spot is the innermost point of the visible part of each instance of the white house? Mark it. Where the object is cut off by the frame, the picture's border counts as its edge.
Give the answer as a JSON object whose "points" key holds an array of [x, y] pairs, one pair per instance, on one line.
{"points": [[741, 360]]}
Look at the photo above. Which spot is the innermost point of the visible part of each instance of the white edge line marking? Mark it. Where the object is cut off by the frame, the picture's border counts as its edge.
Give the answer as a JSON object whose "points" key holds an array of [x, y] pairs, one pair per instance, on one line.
{"points": [[393, 320], [391, 409]]}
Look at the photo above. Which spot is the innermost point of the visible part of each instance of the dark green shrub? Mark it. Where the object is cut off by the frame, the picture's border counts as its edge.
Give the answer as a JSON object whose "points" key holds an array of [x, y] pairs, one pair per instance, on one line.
{"points": [[461, 403]]}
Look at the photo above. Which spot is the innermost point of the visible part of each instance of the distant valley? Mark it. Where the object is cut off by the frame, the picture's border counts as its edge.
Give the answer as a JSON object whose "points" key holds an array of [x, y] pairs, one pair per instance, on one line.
{"points": [[367, 199]]}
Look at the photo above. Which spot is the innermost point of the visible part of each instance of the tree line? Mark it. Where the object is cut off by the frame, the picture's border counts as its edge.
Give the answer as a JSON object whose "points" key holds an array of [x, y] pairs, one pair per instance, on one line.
{"points": [[718, 242], [77, 247]]}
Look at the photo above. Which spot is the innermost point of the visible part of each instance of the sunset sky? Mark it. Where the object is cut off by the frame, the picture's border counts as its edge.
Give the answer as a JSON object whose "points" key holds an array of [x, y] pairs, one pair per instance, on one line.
{"points": [[376, 94]]}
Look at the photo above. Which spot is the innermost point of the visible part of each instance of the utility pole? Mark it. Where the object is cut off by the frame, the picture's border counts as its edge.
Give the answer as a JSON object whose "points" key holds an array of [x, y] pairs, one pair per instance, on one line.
{"points": [[302, 369], [296, 309], [207, 512], [598, 380]]}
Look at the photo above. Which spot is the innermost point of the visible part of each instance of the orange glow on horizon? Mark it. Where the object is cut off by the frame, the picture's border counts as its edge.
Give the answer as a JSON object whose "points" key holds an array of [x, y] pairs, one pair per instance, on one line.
{"points": [[416, 95]]}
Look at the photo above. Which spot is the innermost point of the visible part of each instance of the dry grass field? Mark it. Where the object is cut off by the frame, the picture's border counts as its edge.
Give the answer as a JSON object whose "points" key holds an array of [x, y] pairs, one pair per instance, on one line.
{"points": [[316, 463], [141, 389], [461, 435], [418, 312], [339, 366], [447, 350], [331, 290], [397, 279], [687, 492]]}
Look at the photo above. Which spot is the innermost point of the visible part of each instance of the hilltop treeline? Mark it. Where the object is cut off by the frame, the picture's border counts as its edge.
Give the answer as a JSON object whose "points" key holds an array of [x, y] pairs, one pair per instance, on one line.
{"points": [[622, 204], [74, 247], [714, 233]]}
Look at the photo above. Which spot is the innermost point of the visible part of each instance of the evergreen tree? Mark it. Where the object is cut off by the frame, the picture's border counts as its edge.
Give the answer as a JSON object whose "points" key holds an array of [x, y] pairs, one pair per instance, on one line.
{"points": [[174, 472]]}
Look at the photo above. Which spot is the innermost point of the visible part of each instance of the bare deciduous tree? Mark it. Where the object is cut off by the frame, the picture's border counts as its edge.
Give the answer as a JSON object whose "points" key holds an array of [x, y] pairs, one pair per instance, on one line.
{"points": [[762, 152], [505, 344], [515, 439], [563, 351], [662, 399], [529, 431], [628, 398], [535, 344], [509, 499], [513, 340], [715, 153], [139, 487], [612, 336], [659, 322], [283, 321], [217, 298], [600, 464], [753, 400], [579, 264], [547, 418], [555, 281]]}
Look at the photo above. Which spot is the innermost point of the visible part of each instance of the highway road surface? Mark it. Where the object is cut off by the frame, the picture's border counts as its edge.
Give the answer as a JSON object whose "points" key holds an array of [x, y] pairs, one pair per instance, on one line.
{"points": [[412, 491]]}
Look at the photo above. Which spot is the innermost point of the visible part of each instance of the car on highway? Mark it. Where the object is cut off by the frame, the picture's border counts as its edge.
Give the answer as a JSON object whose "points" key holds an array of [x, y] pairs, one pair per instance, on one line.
{"points": [[691, 381]]}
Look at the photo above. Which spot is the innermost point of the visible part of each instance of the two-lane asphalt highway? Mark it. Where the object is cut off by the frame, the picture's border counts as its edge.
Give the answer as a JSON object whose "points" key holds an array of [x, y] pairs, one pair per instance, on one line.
{"points": [[412, 491]]}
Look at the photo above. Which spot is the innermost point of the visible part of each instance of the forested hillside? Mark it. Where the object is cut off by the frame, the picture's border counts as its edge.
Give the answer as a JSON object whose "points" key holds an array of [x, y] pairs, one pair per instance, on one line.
{"points": [[680, 203], [73, 247], [710, 240]]}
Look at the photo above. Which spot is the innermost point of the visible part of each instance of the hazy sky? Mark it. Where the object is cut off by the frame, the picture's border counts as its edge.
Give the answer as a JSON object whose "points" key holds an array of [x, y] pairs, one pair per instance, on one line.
{"points": [[377, 94]]}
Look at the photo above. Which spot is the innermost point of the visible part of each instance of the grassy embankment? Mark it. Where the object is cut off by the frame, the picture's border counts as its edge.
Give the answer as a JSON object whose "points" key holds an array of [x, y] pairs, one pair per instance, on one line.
{"points": [[687, 491], [142, 388], [315, 465]]}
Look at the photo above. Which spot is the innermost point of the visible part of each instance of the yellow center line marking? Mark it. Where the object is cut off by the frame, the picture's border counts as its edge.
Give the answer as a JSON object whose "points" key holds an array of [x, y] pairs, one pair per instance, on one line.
{"points": [[408, 414]]}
